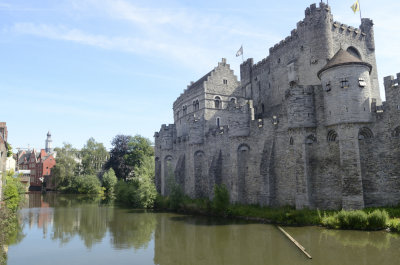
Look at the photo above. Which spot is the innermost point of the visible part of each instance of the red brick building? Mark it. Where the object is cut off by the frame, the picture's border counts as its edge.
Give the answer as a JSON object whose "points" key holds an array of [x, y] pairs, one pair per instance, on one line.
{"points": [[39, 163]]}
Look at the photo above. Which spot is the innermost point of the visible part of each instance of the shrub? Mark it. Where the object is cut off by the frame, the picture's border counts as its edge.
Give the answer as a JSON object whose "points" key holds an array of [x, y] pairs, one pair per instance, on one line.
{"points": [[109, 181], [136, 193], [89, 184], [220, 202], [377, 219], [12, 191], [394, 225], [352, 219], [330, 222]]}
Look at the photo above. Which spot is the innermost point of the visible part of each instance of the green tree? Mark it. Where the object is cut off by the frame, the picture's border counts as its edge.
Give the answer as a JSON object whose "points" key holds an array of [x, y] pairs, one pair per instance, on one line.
{"points": [[117, 153], [66, 166], [139, 150], [93, 155], [9, 150], [140, 191], [109, 181]]}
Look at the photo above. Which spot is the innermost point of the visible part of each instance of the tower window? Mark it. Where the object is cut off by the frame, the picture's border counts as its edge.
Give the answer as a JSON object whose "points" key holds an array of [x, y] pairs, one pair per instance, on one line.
{"points": [[233, 100], [196, 105], [225, 82], [328, 87], [218, 122], [217, 102], [361, 82], [184, 109], [344, 83]]}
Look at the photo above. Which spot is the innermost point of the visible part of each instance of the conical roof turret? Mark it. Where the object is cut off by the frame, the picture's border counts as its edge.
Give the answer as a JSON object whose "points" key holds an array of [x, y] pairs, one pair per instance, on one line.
{"points": [[343, 57]]}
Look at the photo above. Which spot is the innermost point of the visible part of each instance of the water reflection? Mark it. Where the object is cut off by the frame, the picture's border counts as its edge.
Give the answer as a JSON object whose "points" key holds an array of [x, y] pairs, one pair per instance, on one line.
{"points": [[89, 218], [89, 230]]}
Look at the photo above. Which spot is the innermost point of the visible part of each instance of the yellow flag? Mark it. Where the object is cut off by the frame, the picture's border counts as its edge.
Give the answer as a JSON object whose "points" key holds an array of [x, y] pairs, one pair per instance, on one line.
{"points": [[355, 7]]}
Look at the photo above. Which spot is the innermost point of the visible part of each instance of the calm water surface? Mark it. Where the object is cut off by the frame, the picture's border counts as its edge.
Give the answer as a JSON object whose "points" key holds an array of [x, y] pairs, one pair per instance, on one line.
{"points": [[58, 229]]}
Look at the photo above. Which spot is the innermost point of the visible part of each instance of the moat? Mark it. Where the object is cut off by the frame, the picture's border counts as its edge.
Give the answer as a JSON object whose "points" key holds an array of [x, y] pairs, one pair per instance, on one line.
{"points": [[60, 229]]}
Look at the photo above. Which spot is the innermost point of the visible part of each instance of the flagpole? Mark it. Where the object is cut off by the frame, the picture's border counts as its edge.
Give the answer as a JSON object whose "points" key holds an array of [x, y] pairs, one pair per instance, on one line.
{"points": [[359, 5]]}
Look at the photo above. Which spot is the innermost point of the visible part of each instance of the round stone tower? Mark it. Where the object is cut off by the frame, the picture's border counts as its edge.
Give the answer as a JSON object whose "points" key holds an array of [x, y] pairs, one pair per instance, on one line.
{"points": [[347, 97], [347, 89]]}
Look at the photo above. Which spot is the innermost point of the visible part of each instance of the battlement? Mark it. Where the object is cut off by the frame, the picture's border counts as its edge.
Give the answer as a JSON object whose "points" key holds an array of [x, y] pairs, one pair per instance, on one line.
{"points": [[391, 82]]}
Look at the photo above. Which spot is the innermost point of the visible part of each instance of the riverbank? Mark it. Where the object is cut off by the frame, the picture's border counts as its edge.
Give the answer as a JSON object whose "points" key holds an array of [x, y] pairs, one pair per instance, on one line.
{"points": [[368, 219]]}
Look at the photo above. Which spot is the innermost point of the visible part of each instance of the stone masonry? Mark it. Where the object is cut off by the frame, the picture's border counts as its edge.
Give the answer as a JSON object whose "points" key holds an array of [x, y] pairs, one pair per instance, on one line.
{"points": [[304, 127]]}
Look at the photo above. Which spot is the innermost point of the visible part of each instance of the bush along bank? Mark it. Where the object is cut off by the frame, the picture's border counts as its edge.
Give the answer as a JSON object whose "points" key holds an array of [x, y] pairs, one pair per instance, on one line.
{"points": [[9, 227], [368, 219]]}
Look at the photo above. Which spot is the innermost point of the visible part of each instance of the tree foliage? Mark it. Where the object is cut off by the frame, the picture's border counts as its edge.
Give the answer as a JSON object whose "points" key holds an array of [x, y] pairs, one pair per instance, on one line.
{"points": [[9, 150], [127, 153], [109, 181], [139, 148], [117, 161], [140, 191], [93, 154], [66, 166], [12, 191]]}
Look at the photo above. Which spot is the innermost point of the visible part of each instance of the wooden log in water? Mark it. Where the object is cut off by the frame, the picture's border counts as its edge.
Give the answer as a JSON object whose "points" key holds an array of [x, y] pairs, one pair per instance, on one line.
{"points": [[303, 249]]}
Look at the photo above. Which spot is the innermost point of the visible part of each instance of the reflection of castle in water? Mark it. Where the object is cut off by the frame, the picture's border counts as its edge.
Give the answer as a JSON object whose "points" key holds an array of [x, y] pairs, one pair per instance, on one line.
{"points": [[180, 239]]}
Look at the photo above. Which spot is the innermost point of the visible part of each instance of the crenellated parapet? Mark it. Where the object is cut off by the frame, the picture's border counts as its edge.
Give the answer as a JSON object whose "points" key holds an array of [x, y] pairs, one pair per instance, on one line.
{"points": [[165, 137], [392, 91]]}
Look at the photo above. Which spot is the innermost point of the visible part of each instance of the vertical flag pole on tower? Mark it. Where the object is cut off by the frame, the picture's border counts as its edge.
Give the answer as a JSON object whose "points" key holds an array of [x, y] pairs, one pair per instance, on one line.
{"points": [[356, 7]]}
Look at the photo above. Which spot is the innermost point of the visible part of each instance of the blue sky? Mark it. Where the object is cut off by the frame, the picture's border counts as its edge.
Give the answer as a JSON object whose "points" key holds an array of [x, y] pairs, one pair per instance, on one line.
{"points": [[97, 68]]}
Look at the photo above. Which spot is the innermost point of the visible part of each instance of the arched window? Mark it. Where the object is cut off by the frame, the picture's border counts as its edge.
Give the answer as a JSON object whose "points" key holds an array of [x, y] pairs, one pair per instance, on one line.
{"points": [[365, 133], [332, 135], [396, 132], [291, 141], [233, 100], [197, 107], [354, 51], [217, 102]]}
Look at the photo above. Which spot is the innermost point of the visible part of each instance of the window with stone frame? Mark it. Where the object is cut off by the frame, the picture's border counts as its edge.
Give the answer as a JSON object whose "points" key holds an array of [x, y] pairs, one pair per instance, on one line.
{"points": [[217, 102], [225, 81], [361, 82], [328, 86], [344, 83]]}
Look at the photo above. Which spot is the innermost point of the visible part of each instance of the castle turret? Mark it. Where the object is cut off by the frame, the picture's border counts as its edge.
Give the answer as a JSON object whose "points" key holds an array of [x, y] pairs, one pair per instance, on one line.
{"points": [[347, 96], [166, 136]]}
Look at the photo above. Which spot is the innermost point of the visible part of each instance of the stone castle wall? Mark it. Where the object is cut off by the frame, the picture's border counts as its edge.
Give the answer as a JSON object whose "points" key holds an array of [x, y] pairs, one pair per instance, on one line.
{"points": [[279, 136]]}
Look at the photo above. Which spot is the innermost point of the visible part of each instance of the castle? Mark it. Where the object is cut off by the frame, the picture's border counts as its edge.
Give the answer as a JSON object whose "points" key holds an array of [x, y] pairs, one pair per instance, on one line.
{"points": [[305, 126]]}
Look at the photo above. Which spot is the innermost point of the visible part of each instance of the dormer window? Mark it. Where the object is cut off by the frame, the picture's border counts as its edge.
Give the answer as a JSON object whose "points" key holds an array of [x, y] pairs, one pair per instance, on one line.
{"points": [[328, 87], [344, 83], [361, 82], [225, 82]]}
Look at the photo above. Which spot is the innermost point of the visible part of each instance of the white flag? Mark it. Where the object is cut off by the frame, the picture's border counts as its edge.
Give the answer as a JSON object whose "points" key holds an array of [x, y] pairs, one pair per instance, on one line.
{"points": [[240, 51]]}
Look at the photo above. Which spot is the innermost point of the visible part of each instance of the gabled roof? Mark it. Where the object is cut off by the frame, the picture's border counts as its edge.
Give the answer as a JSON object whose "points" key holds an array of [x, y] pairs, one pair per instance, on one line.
{"points": [[343, 57], [200, 81]]}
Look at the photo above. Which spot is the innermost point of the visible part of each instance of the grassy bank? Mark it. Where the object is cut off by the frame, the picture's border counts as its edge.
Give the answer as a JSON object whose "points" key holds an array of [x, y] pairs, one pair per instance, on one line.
{"points": [[367, 219]]}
